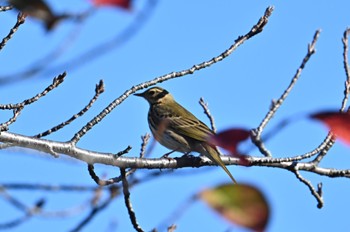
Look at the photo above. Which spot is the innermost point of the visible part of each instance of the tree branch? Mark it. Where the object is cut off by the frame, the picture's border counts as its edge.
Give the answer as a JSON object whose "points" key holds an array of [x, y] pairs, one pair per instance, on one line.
{"points": [[20, 20], [256, 133], [127, 201], [254, 31], [55, 83], [98, 91], [92, 157]]}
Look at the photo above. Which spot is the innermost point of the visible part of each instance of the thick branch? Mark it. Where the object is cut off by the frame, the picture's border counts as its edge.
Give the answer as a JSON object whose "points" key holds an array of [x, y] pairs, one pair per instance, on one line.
{"points": [[92, 157]]}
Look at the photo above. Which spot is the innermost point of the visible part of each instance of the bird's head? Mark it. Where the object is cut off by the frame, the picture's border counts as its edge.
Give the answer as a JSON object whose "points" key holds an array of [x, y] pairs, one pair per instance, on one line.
{"points": [[155, 95]]}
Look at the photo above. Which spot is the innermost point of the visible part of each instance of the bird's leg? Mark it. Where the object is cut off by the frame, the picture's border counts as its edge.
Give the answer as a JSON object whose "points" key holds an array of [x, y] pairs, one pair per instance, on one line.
{"points": [[166, 155]]}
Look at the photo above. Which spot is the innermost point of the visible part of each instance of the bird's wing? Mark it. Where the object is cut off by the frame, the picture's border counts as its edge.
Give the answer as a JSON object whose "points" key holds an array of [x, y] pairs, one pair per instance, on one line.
{"points": [[185, 123]]}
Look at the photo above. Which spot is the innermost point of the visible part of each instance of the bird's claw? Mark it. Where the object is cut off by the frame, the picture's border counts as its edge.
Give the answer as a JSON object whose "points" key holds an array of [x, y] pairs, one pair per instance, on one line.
{"points": [[187, 155], [166, 155]]}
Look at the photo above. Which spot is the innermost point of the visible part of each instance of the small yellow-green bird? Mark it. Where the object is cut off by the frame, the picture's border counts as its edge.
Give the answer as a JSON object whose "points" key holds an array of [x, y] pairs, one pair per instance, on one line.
{"points": [[178, 129]]}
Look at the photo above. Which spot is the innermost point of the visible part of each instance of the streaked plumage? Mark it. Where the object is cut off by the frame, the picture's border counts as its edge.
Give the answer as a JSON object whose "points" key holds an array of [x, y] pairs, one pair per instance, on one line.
{"points": [[178, 129]]}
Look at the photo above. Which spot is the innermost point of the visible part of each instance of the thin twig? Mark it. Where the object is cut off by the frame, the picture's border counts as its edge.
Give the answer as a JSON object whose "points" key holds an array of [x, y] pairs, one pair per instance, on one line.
{"points": [[98, 90], [68, 212], [94, 211], [47, 187], [331, 141], [16, 222], [145, 140], [97, 179], [208, 114], [56, 82], [87, 56], [314, 192], [123, 152], [346, 68], [110, 181], [6, 8], [16, 112], [13, 201], [19, 22], [29, 212], [256, 133], [241, 39], [127, 201], [327, 145], [172, 228], [117, 41], [43, 62]]}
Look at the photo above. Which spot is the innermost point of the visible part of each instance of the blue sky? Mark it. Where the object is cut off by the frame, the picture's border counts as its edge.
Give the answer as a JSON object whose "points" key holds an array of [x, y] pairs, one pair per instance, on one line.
{"points": [[239, 91]]}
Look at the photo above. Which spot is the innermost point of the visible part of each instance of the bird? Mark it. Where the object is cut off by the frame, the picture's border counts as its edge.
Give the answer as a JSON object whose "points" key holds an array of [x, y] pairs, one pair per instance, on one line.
{"points": [[38, 9], [177, 129]]}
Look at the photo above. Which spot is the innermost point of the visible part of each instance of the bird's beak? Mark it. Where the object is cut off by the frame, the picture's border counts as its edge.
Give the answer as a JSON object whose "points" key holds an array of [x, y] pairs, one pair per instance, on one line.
{"points": [[138, 94]]}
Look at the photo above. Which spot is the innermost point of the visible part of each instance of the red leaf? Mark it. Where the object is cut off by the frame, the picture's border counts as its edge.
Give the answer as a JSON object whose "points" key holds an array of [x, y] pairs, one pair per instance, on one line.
{"points": [[229, 139], [241, 204], [243, 160], [117, 3], [337, 122]]}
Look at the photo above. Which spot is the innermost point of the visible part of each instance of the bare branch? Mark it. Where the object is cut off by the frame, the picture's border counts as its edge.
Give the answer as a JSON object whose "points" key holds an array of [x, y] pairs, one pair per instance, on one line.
{"points": [[95, 210], [254, 31], [98, 180], [346, 68], [5, 8], [172, 228], [256, 133], [19, 22], [92, 157], [16, 113], [13, 201], [41, 66], [127, 201], [326, 145], [68, 212], [56, 82], [144, 143], [207, 112], [313, 191], [110, 181], [123, 152], [50, 188], [15, 222], [29, 212], [99, 89], [43, 62], [330, 138]]}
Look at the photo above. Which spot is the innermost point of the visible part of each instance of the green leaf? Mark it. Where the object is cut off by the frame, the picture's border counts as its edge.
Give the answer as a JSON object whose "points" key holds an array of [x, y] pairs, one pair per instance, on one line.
{"points": [[241, 204]]}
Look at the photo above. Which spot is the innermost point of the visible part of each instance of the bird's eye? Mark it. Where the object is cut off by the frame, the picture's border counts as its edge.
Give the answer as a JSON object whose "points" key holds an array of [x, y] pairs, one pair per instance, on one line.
{"points": [[151, 92]]}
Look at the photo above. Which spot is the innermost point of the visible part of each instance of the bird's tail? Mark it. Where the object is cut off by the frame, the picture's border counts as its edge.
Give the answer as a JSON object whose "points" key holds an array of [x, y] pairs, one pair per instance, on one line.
{"points": [[214, 156]]}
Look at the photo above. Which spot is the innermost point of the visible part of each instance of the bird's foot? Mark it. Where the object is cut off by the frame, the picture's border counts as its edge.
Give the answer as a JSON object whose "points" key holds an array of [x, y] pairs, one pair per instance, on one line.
{"points": [[187, 155], [166, 155]]}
